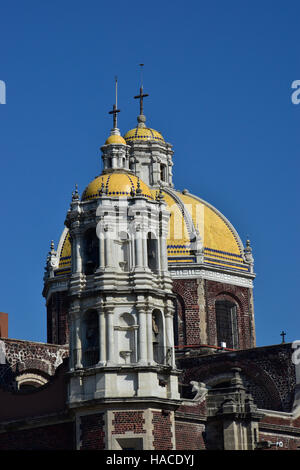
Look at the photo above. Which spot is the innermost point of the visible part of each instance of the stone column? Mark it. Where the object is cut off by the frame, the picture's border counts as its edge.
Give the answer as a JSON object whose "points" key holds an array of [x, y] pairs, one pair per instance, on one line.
{"points": [[170, 354], [149, 338], [163, 253], [107, 246], [145, 250], [78, 347], [142, 358], [79, 243], [101, 250], [102, 337], [76, 252], [138, 248], [110, 336]]}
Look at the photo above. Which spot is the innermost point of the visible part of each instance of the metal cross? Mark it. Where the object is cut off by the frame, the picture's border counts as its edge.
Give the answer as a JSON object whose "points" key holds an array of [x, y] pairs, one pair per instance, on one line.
{"points": [[283, 333], [115, 111], [142, 95]]}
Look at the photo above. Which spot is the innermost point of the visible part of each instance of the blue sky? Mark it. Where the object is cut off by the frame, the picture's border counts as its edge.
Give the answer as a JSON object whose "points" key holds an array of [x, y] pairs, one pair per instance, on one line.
{"points": [[219, 77]]}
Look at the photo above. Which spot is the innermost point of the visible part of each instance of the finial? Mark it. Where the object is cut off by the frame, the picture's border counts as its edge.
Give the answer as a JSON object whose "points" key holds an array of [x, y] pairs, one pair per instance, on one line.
{"points": [[75, 194], [138, 189], [51, 246], [159, 195], [115, 109], [248, 245], [141, 118], [101, 190]]}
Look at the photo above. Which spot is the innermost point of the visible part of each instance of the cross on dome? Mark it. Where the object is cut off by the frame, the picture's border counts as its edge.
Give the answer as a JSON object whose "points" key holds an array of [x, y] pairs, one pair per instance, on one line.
{"points": [[115, 109], [141, 96]]}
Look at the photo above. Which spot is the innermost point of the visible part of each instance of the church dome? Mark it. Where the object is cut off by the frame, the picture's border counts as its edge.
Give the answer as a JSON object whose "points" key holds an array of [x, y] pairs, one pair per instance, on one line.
{"points": [[189, 214], [222, 247], [115, 184], [140, 134]]}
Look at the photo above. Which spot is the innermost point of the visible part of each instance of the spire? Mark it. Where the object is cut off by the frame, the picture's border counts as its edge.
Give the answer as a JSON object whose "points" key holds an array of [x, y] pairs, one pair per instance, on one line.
{"points": [[138, 188], [141, 118], [248, 254], [115, 111], [75, 194]]}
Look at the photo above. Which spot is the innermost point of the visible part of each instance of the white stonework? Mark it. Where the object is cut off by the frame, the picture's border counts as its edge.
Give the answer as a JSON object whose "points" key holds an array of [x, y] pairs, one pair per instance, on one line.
{"points": [[196, 273]]}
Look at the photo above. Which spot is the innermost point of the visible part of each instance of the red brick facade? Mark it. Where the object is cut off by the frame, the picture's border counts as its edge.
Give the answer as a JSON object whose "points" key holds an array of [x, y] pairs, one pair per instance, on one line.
{"points": [[125, 421], [162, 430], [188, 310], [92, 432], [241, 297], [189, 436], [57, 319]]}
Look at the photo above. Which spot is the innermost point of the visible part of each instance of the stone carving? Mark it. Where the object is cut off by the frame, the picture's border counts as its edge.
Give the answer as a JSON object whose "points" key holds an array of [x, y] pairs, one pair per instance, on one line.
{"points": [[201, 390]]}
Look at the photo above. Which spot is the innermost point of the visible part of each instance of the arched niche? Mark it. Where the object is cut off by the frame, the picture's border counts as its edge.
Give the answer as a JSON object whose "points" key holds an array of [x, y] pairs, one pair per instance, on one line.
{"points": [[90, 251], [179, 322], [226, 323], [90, 338], [152, 251], [158, 337], [127, 338], [123, 251]]}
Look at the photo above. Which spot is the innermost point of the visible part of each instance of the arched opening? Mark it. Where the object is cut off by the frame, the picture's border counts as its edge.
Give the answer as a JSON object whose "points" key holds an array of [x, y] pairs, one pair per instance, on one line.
{"points": [[123, 251], [163, 172], [29, 381], [127, 338], [226, 322], [159, 350], [90, 340], [152, 252], [91, 251], [179, 323]]}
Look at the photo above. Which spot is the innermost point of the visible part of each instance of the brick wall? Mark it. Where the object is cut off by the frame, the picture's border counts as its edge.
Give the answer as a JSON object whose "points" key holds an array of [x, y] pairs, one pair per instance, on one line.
{"points": [[162, 430], [267, 372], [289, 442], [187, 290], [22, 356], [54, 437], [195, 318], [241, 297], [189, 436], [92, 432], [124, 421], [57, 319]]}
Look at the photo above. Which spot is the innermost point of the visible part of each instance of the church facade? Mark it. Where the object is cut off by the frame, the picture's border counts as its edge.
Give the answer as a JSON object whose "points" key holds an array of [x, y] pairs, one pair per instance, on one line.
{"points": [[150, 324]]}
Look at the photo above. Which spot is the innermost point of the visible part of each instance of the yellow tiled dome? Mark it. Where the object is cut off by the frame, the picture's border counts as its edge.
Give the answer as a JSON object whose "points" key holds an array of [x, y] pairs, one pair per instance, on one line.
{"points": [[115, 184], [115, 139], [221, 244], [139, 134]]}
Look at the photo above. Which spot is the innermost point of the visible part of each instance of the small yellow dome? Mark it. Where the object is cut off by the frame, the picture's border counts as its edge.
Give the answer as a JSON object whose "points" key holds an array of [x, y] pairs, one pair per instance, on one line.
{"points": [[115, 139], [115, 184], [140, 134]]}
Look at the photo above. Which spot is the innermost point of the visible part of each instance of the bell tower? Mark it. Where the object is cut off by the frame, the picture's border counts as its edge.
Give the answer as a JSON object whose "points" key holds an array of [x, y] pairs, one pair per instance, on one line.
{"points": [[122, 365], [150, 157]]}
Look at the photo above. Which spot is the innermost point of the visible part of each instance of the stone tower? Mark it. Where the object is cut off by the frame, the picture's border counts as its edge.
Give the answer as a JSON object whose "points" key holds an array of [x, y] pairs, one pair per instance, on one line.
{"points": [[121, 306], [142, 271]]}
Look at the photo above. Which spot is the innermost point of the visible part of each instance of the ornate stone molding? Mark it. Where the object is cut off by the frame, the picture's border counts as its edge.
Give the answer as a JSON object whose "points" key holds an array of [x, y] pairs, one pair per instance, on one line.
{"points": [[192, 273]]}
